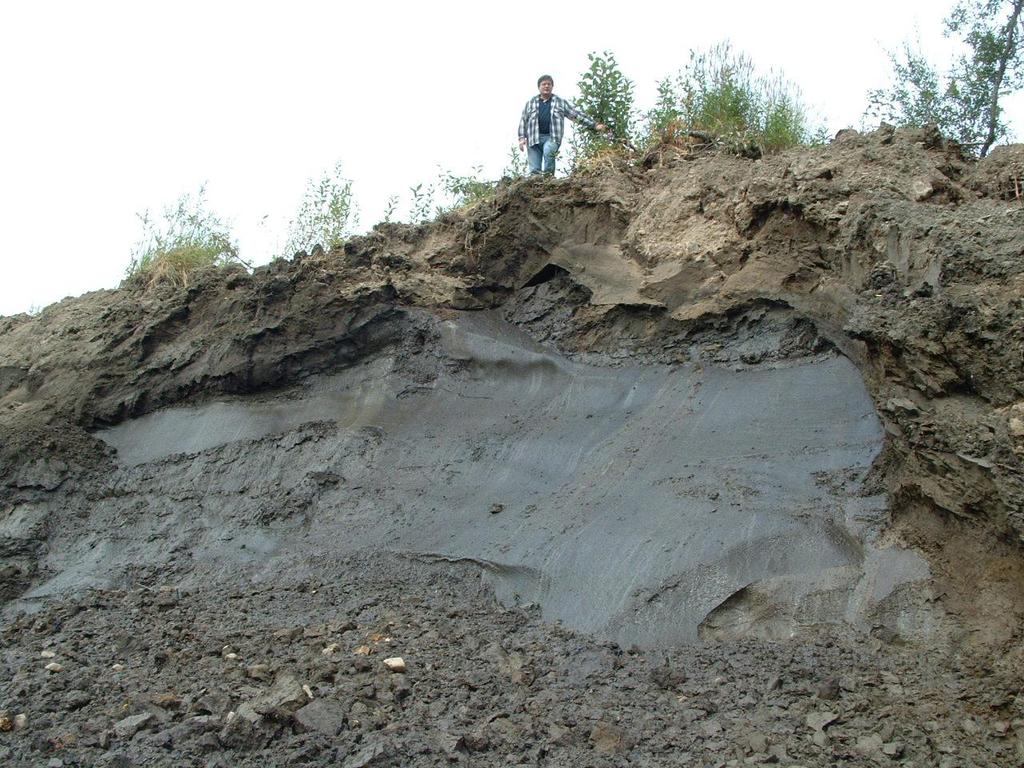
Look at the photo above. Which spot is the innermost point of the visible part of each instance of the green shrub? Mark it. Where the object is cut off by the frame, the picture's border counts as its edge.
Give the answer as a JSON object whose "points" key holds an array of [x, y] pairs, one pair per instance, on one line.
{"points": [[188, 238], [468, 190], [327, 215], [421, 204], [606, 96], [517, 166], [719, 93]]}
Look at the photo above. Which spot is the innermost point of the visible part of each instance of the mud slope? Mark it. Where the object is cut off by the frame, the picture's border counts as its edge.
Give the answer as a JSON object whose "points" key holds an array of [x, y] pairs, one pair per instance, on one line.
{"points": [[701, 400]]}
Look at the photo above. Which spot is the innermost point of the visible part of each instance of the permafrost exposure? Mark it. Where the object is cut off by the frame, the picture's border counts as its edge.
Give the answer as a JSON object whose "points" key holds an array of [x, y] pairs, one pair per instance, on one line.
{"points": [[709, 461]]}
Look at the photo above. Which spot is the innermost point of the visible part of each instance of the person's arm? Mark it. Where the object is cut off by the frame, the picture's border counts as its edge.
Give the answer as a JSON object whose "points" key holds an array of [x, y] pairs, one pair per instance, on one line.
{"points": [[579, 117], [522, 124]]}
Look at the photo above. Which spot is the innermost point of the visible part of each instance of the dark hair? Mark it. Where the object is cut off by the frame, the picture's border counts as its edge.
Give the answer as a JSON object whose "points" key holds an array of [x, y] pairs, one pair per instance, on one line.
{"points": [[542, 78]]}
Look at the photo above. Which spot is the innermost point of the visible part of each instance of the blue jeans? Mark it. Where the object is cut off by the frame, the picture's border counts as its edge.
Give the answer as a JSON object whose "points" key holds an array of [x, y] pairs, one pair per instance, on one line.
{"points": [[544, 152]]}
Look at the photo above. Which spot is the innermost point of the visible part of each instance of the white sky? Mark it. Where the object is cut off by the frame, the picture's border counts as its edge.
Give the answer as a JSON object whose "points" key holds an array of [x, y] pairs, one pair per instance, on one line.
{"points": [[109, 108]]}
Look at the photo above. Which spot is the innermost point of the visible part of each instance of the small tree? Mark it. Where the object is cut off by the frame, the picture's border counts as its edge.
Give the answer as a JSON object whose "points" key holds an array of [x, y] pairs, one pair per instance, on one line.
{"points": [[187, 238], [606, 95], [964, 102], [327, 215]]}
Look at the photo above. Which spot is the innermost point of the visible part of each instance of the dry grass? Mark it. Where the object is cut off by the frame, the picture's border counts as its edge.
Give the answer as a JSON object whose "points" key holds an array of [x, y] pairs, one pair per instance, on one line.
{"points": [[177, 266]]}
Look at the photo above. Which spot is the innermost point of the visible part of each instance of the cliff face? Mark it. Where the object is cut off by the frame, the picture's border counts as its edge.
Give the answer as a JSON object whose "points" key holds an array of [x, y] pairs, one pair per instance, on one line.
{"points": [[707, 398]]}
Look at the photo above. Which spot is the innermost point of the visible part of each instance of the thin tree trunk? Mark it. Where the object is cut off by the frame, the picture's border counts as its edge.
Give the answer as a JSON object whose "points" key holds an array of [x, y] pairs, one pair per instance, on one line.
{"points": [[1012, 37]]}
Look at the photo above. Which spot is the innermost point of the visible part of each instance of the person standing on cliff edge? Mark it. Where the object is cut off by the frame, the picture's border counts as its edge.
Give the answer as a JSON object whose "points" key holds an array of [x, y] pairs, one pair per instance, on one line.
{"points": [[543, 124]]}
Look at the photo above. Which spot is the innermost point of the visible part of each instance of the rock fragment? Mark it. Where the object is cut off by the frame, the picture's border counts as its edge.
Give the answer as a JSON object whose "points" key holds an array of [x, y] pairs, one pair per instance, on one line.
{"points": [[258, 672], [321, 716], [131, 725], [819, 721], [869, 746], [828, 690], [610, 739], [921, 190], [395, 664]]}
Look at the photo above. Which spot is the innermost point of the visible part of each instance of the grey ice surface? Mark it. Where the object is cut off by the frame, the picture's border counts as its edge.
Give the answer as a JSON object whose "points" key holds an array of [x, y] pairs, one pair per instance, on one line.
{"points": [[631, 501]]}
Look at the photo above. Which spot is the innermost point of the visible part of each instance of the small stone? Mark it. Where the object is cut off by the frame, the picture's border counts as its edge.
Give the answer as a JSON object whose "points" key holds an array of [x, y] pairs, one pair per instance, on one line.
{"points": [[395, 664], [497, 508], [819, 721], [331, 649], [363, 650], [258, 672], [712, 728], [231, 656], [374, 754], [129, 726], [308, 691], [893, 749], [610, 739], [76, 699], [53, 666], [117, 668], [289, 634], [341, 626], [921, 190], [829, 689], [20, 722], [322, 716], [6, 721], [755, 742], [868, 746], [166, 701], [47, 655], [285, 696]]}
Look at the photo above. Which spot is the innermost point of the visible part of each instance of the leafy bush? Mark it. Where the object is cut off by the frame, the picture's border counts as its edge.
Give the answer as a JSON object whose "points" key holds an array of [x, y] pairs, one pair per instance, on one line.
{"points": [[188, 238], [606, 96], [517, 166], [327, 215], [719, 93], [421, 205], [467, 190], [456, 191]]}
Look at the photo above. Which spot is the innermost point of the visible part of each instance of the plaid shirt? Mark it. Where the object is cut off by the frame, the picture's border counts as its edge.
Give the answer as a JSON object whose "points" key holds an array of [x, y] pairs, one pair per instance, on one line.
{"points": [[529, 123]]}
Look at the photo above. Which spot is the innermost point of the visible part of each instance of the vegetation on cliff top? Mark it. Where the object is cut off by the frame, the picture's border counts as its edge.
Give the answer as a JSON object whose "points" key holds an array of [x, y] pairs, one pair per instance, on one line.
{"points": [[718, 98]]}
